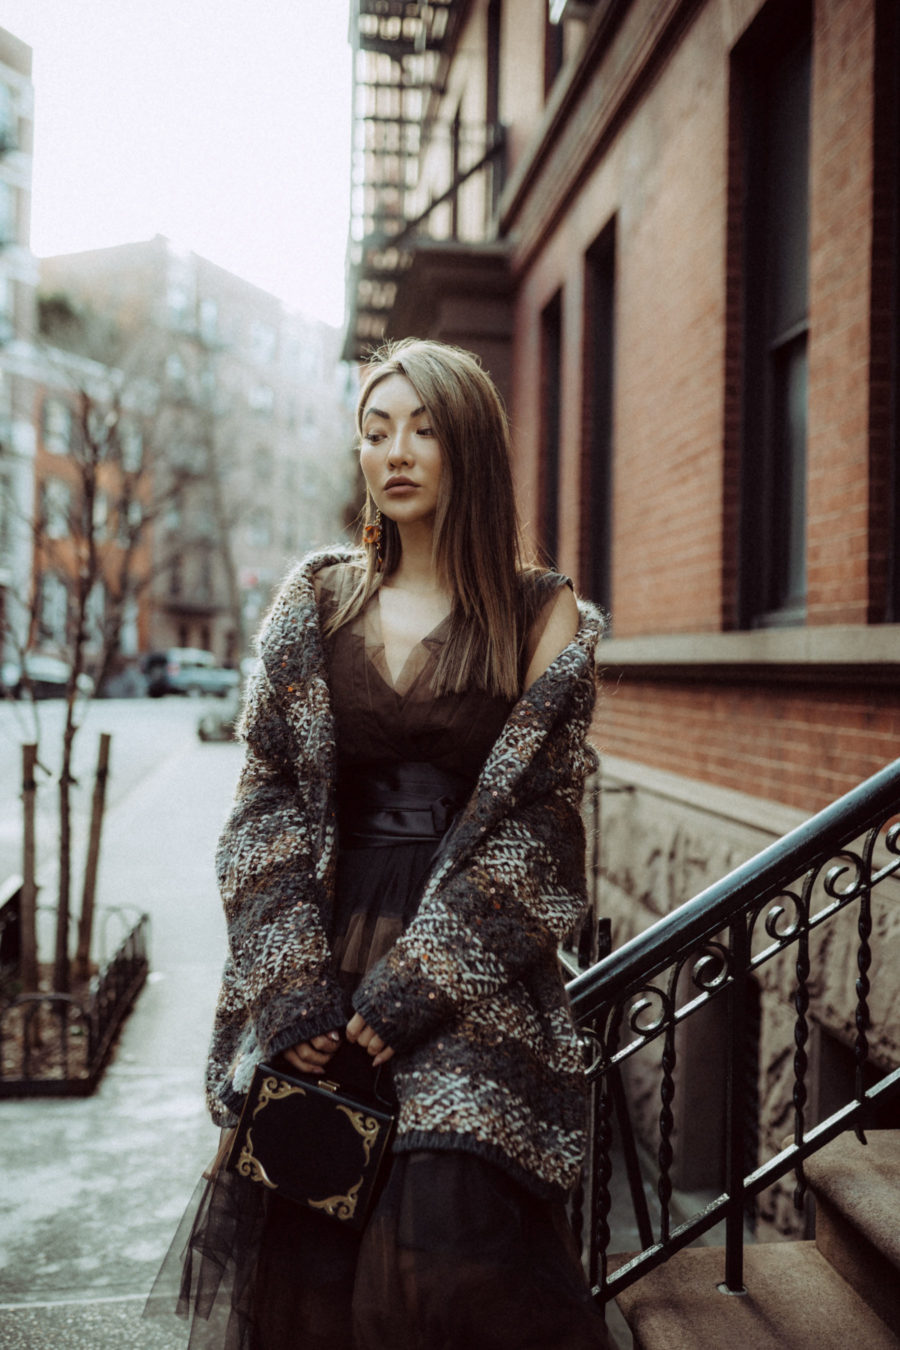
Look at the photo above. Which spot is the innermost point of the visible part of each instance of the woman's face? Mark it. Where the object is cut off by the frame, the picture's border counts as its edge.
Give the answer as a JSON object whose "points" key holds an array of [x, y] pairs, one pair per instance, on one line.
{"points": [[400, 455]]}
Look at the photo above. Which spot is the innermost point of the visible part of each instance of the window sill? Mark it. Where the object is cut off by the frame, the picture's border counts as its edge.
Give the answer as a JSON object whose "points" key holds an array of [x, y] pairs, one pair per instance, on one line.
{"points": [[835, 654]]}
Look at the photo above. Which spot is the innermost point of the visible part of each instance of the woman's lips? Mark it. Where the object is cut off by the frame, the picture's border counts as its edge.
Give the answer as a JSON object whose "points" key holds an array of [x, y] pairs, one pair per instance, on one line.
{"points": [[402, 488]]}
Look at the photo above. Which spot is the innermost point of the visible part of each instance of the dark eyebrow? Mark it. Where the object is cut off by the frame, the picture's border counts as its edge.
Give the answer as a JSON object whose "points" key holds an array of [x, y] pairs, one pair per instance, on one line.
{"points": [[386, 417]]}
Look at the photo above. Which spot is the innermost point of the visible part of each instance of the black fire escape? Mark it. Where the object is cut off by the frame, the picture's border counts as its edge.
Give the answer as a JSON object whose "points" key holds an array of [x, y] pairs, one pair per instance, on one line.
{"points": [[425, 178]]}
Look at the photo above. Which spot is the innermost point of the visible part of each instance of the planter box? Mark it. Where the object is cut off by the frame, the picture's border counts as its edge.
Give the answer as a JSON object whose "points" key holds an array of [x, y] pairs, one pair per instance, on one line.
{"points": [[57, 1045]]}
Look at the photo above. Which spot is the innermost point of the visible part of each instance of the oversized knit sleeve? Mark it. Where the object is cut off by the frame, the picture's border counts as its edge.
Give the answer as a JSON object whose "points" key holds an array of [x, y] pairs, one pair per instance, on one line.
{"points": [[268, 866], [497, 916]]}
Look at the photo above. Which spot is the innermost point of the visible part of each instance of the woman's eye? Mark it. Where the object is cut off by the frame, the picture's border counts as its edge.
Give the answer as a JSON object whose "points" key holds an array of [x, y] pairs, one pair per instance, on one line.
{"points": [[425, 431], [373, 437]]}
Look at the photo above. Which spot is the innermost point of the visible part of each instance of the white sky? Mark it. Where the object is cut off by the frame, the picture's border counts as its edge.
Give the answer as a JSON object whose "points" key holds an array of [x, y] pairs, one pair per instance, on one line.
{"points": [[223, 124]]}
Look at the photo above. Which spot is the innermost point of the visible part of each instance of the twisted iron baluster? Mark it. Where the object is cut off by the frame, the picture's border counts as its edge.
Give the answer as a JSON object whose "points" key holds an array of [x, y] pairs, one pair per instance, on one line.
{"points": [[666, 1125], [801, 1036], [601, 1159], [576, 1203], [863, 987], [602, 1169]]}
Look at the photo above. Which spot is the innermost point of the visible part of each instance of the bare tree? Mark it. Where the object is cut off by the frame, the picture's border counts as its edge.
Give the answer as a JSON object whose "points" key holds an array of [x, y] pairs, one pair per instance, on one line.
{"points": [[97, 545]]}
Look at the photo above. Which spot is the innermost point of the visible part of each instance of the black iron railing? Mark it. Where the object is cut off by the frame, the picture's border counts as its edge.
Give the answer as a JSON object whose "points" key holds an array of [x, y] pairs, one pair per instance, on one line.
{"points": [[54, 1044], [709, 951]]}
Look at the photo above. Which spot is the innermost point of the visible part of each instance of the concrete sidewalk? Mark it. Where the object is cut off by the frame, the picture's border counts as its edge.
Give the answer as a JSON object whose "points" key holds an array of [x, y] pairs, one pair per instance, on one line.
{"points": [[93, 1189]]}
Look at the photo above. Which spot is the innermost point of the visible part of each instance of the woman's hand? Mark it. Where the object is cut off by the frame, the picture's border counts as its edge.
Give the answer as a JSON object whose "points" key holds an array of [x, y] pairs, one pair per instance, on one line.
{"points": [[362, 1034], [313, 1056]]}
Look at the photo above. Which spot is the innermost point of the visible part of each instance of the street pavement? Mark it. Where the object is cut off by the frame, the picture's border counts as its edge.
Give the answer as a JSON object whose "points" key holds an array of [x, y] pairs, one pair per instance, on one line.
{"points": [[93, 1189]]}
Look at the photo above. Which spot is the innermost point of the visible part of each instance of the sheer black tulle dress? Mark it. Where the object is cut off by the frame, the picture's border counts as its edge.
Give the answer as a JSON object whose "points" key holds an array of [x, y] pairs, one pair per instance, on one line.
{"points": [[457, 1255]]}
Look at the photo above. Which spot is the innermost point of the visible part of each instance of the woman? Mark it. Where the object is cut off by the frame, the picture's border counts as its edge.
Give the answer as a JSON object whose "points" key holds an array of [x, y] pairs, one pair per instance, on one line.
{"points": [[404, 854]]}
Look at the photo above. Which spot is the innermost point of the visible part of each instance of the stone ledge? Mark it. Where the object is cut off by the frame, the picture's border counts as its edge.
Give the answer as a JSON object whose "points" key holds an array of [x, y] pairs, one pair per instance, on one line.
{"points": [[770, 818], [843, 653]]}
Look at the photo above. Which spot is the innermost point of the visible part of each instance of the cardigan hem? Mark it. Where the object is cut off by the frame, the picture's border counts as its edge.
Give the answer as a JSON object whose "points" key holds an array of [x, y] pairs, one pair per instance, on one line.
{"points": [[415, 1140]]}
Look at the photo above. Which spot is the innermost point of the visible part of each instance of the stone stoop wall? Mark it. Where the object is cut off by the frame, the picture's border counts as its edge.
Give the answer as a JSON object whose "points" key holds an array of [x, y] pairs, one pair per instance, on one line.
{"points": [[665, 838]]}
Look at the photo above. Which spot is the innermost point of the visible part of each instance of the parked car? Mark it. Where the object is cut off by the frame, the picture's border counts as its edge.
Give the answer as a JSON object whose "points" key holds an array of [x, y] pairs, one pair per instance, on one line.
{"points": [[221, 724], [47, 676], [187, 670]]}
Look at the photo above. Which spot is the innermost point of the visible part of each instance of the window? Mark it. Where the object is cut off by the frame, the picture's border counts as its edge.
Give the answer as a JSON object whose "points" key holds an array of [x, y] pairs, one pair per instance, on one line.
{"points": [[259, 529], [597, 479], [8, 226], [775, 226], [130, 519], [887, 175], [95, 614], [57, 426], [551, 374], [209, 320], [176, 374], [54, 604], [176, 580], [262, 342], [492, 91], [204, 583], [129, 636], [101, 516], [7, 309], [6, 510], [291, 534], [261, 399], [56, 506], [8, 120], [554, 50], [131, 446], [263, 464]]}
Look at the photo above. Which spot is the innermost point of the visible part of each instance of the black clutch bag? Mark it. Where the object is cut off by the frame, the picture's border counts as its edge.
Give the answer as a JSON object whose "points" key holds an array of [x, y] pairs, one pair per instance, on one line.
{"points": [[314, 1142]]}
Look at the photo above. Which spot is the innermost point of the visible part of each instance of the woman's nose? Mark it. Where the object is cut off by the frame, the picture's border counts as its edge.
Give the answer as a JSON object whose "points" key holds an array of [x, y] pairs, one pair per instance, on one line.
{"points": [[399, 450]]}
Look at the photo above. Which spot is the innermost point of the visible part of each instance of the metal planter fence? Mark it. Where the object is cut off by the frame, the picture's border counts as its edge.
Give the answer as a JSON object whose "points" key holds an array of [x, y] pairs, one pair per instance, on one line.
{"points": [[57, 1045]]}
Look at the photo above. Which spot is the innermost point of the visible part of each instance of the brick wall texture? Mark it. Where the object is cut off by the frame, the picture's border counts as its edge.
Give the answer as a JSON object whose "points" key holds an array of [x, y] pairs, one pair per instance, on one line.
{"points": [[666, 170]]}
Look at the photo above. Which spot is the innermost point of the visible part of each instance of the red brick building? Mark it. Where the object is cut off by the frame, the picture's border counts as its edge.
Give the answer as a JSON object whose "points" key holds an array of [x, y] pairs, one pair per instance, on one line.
{"points": [[670, 227]]}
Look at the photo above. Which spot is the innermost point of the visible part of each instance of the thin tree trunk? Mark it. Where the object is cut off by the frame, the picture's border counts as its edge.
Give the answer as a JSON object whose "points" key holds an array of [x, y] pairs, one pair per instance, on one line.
{"points": [[86, 921], [28, 910], [61, 962]]}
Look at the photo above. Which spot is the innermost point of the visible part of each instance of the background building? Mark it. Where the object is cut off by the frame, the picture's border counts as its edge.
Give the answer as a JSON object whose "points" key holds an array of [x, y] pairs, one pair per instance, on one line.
{"points": [[671, 231], [249, 435], [18, 282]]}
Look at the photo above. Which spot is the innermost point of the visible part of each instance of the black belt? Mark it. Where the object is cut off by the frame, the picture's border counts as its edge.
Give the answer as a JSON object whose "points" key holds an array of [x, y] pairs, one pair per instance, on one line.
{"points": [[397, 803]]}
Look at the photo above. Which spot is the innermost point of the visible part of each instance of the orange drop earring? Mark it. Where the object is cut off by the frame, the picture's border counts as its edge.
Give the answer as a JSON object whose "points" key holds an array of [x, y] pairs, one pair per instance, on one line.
{"points": [[372, 537]]}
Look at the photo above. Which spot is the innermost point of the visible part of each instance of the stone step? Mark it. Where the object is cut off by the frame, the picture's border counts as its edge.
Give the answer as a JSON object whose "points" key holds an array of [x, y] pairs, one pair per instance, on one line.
{"points": [[795, 1301], [857, 1194]]}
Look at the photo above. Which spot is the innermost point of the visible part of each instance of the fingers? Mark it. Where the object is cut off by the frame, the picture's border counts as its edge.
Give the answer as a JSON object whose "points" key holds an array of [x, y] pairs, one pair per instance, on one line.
{"points": [[359, 1032], [313, 1056]]}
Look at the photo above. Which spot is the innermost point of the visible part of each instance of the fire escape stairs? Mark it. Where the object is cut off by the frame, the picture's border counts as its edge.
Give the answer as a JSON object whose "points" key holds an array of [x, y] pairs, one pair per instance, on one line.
{"points": [[840, 1291]]}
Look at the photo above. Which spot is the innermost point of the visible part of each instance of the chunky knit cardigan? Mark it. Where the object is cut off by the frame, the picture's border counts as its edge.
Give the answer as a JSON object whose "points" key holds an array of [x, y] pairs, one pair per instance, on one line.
{"points": [[471, 996]]}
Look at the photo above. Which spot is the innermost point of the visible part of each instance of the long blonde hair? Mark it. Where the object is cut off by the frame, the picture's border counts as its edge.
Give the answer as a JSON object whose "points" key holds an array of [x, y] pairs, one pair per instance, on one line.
{"points": [[478, 549]]}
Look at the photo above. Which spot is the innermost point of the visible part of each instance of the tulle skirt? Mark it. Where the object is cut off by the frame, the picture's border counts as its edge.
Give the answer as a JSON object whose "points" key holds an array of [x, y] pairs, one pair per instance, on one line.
{"points": [[456, 1256]]}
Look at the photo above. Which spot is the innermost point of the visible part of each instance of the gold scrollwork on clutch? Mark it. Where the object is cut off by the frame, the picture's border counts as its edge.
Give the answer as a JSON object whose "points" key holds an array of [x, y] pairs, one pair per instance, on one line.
{"points": [[367, 1127], [248, 1165], [275, 1090], [272, 1089], [339, 1206]]}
